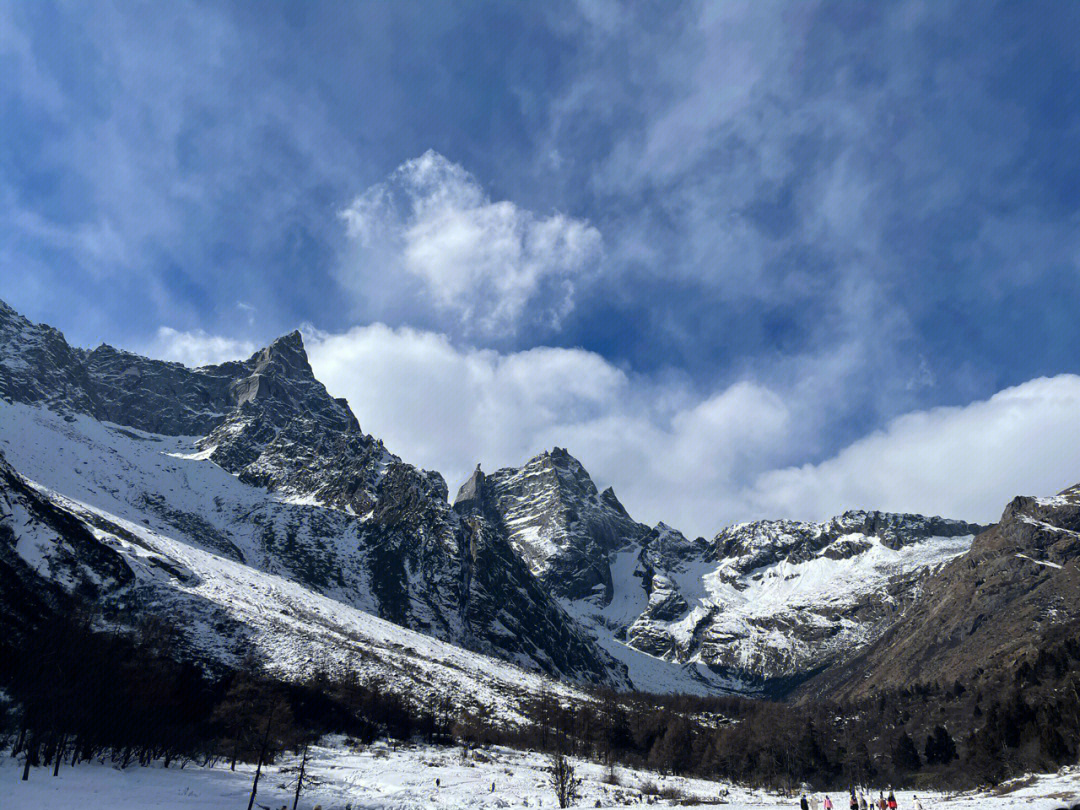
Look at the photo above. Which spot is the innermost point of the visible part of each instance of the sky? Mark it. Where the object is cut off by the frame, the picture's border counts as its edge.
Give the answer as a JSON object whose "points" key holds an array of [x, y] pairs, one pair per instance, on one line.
{"points": [[742, 259]]}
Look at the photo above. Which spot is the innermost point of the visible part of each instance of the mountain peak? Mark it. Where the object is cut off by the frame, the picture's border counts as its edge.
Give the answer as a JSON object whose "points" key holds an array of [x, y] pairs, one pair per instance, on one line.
{"points": [[293, 341], [471, 492], [285, 356]]}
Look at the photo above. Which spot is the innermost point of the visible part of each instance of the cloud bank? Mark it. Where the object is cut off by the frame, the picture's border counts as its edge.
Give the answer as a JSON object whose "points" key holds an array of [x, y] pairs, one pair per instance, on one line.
{"points": [[197, 348], [698, 462]]}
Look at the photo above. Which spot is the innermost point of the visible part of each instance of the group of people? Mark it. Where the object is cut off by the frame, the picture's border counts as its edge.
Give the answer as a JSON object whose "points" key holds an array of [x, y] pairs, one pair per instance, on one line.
{"points": [[858, 801]]}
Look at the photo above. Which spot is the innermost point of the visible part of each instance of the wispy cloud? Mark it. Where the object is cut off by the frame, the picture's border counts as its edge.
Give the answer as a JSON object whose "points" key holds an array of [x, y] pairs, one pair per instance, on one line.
{"points": [[824, 215]]}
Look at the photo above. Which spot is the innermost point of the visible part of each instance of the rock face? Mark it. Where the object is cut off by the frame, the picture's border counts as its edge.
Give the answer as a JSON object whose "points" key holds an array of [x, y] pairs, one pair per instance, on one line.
{"points": [[325, 504], [557, 521], [1016, 590]]}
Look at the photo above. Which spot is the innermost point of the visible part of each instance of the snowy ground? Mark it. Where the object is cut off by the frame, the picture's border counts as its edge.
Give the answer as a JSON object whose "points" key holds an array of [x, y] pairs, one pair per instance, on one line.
{"points": [[378, 778]]}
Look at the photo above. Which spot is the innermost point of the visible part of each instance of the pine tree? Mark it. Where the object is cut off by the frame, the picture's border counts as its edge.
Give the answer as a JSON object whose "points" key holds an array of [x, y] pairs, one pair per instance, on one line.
{"points": [[905, 755]]}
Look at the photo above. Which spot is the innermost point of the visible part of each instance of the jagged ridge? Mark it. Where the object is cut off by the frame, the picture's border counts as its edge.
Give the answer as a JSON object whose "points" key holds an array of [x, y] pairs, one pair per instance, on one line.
{"points": [[347, 517]]}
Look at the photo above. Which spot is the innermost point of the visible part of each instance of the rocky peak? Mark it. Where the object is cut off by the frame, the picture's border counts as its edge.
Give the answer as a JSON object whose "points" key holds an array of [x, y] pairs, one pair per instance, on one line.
{"points": [[38, 365], [286, 356], [556, 520], [669, 549], [607, 497], [470, 496]]}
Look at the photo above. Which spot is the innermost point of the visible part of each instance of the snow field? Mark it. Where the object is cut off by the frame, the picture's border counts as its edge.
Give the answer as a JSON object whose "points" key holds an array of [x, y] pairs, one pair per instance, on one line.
{"points": [[404, 778]]}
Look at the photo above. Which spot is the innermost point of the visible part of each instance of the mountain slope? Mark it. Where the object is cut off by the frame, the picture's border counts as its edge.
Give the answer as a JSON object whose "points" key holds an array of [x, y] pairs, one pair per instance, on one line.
{"points": [[1013, 594], [255, 463], [60, 551]]}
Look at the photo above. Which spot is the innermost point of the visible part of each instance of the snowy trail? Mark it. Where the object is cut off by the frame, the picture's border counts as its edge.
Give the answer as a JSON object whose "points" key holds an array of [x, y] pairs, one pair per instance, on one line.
{"points": [[381, 778]]}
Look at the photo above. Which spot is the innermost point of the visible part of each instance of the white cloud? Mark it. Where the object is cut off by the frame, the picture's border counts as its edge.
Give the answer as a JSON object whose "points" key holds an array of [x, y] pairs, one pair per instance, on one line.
{"points": [[959, 461], [668, 453], [490, 264], [197, 348], [697, 462]]}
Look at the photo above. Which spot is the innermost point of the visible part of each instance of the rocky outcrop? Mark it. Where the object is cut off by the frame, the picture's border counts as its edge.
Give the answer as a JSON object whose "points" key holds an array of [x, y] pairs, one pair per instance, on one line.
{"points": [[557, 521], [768, 542]]}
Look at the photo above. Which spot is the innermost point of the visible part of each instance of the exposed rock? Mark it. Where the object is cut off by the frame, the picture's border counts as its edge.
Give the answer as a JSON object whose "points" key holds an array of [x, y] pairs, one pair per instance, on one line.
{"points": [[557, 522]]}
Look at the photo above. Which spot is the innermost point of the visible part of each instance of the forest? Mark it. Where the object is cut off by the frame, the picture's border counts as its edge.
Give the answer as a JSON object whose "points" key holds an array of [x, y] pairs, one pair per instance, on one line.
{"points": [[76, 693]]}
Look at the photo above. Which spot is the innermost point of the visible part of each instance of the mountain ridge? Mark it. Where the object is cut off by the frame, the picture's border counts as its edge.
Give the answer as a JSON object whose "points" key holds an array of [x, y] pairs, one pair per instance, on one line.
{"points": [[533, 564], [272, 425]]}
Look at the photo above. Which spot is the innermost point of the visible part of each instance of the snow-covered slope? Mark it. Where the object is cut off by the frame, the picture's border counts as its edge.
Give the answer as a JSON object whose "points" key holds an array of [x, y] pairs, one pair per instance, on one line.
{"points": [[255, 462], [775, 600], [252, 463], [128, 526], [404, 778]]}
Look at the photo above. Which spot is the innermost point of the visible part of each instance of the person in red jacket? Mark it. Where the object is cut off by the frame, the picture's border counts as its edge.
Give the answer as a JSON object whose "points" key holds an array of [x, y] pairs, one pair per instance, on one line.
{"points": [[892, 801]]}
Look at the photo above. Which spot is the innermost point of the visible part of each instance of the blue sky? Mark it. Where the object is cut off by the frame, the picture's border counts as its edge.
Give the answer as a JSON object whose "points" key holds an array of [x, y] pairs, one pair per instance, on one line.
{"points": [[744, 259]]}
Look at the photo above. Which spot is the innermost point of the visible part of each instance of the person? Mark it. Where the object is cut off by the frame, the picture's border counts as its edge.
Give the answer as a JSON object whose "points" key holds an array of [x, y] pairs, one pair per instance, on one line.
{"points": [[864, 803], [828, 803], [804, 804], [892, 800], [853, 803], [916, 804], [882, 803]]}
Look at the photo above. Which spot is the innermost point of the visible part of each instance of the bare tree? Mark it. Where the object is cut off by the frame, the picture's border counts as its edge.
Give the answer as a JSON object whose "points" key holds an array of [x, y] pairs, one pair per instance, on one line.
{"points": [[566, 785], [303, 778]]}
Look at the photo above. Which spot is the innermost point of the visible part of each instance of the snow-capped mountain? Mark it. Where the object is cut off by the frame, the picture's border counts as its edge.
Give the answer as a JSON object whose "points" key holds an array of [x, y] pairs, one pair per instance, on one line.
{"points": [[255, 463], [245, 502], [776, 600], [761, 606]]}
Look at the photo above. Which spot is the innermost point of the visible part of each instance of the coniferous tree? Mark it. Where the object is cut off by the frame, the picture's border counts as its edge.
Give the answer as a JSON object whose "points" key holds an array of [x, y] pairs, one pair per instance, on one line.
{"points": [[905, 756]]}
